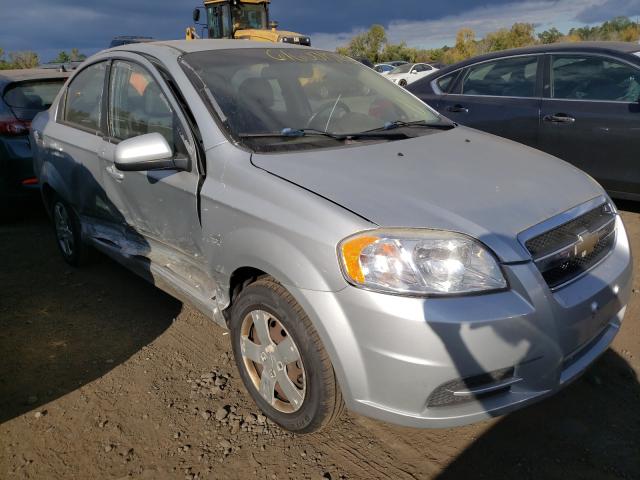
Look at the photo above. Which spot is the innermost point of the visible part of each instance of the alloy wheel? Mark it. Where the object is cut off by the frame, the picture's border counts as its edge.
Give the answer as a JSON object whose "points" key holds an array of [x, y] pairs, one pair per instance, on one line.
{"points": [[64, 231], [273, 362]]}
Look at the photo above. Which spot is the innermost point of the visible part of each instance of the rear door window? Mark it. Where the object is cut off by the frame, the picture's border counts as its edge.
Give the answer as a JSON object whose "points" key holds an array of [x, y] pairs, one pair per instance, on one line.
{"points": [[592, 77], [509, 77], [83, 106], [28, 98]]}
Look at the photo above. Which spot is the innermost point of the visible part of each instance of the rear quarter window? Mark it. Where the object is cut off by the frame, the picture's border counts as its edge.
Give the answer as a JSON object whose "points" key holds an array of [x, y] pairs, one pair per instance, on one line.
{"points": [[446, 82], [591, 77]]}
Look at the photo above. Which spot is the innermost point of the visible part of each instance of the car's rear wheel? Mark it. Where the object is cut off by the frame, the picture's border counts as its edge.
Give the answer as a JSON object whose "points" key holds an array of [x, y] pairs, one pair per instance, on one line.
{"points": [[68, 233], [281, 359]]}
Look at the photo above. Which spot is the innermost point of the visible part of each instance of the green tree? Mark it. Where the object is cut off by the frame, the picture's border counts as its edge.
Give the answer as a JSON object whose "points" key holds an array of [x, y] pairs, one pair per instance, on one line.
{"points": [[397, 51], [367, 44], [374, 45], [464, 48], [24, 59], [63, 57], [519, 35], [614, 28], [552, 35], [76, 56], [631, 33], [3, 63]]}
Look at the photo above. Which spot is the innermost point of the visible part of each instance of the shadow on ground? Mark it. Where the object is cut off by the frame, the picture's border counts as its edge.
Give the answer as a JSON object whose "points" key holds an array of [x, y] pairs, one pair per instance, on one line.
{"points": [[590, 430], [60, 327]]}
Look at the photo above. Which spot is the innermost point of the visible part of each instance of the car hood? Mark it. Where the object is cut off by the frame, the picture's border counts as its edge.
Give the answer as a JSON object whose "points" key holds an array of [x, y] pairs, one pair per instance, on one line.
{"points": [[461, 180]]}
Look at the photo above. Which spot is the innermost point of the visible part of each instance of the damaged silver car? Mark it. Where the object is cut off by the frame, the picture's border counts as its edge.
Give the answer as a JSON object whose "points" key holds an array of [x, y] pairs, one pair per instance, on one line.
{"points": [[362, 249]]}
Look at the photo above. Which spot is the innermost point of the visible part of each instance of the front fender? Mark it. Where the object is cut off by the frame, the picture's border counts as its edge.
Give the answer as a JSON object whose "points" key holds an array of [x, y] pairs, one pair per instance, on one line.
{"points": [[252, 218], [280, 258]]}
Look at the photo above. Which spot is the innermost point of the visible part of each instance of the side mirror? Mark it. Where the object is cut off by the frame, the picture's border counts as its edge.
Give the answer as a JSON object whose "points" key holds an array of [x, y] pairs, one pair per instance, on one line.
{"points": [[413, 72], [196, 15], [147, 152]]}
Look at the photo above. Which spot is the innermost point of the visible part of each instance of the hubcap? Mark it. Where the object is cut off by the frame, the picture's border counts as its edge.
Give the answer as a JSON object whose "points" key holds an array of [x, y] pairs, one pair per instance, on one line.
{"points": [[273, 361], [63, 229]]}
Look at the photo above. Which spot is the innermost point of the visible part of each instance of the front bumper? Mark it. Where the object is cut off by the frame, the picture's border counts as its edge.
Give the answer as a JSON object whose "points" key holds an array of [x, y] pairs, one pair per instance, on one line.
{"points": [[392, 354]]}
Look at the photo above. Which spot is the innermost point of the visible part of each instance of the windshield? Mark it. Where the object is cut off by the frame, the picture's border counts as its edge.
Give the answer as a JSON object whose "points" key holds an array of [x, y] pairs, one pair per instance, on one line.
{"points": [[268, 90], [403, 68], [249, 16], [26, 99]]}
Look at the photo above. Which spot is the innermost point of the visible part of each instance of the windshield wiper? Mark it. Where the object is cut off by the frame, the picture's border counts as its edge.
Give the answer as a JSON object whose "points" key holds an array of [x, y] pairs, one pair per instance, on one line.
{"points": [[293, 133], [418, 123], [303, 132]]}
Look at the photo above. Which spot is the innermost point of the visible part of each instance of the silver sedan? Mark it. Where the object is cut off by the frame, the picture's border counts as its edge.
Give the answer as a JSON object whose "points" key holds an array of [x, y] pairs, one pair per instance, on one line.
{"points": [[362, 249]]}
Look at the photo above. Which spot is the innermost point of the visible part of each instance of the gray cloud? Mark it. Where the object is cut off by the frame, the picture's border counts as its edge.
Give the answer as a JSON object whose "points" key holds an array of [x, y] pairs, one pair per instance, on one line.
{"points": [[49, 26], [608, 10], [482, 19]]}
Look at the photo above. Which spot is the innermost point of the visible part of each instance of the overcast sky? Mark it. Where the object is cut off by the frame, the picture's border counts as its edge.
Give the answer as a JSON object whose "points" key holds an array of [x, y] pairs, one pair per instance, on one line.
{"points": [[48, 26]]}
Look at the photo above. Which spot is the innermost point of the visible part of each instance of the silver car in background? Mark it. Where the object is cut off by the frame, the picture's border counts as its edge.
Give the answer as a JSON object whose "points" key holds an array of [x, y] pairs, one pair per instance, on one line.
{"points": [[362, 249]]}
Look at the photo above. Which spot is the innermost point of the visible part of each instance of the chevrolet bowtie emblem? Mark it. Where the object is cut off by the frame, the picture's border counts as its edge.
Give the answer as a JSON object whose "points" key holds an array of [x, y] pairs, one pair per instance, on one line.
{"points": [[586, 244]]}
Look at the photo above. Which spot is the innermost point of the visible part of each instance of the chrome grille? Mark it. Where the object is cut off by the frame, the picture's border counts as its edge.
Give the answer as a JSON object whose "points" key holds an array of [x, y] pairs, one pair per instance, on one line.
{"points": [[566, 252]]}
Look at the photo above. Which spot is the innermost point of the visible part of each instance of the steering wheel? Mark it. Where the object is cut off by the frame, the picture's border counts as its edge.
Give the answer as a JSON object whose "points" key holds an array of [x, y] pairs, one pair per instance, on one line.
{"points": [[331, 107]]}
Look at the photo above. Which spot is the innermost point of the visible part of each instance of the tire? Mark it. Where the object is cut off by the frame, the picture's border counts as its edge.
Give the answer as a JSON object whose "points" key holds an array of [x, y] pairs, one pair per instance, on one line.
{"points": [[68, 233], [314, 399], [402, 82]]}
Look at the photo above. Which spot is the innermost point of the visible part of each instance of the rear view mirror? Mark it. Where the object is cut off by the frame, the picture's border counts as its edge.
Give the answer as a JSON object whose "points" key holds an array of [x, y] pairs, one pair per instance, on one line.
{"points": [[147, 152], [196, 15]]}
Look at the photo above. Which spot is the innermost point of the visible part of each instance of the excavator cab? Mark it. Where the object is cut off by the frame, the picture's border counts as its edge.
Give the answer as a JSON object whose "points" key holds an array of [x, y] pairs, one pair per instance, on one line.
{"points": [[242, 19]]}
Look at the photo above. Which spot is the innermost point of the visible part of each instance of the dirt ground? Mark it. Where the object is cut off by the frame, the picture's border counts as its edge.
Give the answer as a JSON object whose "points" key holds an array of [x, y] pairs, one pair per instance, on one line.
{"points": [[104, 376]]}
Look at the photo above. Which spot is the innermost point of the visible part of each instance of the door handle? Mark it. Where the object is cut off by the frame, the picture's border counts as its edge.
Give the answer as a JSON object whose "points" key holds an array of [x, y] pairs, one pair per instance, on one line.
{"points": [[458, 109], [559, 118], [111, 170]]}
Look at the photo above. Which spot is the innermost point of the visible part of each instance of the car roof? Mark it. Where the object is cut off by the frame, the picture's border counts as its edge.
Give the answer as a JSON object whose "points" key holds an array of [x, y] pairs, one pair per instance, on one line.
{"points": [[10, 76], [190, 46], [601, 47], [133, 37]]}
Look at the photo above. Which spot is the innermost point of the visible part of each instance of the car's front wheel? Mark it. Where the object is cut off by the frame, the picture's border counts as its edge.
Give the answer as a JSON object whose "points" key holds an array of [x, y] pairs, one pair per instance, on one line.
{"points": [[281, 359], [402, 82]]}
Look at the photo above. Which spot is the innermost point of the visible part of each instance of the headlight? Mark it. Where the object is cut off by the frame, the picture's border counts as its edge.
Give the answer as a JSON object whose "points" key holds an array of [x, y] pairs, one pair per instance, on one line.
{"points": [[419, 261]]}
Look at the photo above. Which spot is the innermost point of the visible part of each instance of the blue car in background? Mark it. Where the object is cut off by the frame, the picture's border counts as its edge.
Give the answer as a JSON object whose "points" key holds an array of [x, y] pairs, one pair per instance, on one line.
{"points": [[576, 101], [23, 94]]}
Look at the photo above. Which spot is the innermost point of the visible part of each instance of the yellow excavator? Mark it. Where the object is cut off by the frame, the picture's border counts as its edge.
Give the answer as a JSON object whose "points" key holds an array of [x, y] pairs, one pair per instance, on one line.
{"points": [[242, 20]]}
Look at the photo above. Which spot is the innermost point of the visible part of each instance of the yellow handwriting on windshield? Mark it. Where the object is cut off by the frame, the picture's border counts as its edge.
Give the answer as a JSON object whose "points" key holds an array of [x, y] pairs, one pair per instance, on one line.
{"points": [[304, 57]]}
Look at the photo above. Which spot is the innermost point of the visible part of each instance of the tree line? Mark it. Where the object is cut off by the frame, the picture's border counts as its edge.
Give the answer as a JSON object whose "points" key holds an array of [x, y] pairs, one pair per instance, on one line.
{"points": [[375, 46], [29, 59]]}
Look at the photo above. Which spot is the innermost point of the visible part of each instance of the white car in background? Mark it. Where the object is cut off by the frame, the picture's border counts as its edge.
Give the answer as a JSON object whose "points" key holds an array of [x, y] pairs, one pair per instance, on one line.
{"points": [[384, 68], [410, 72]]}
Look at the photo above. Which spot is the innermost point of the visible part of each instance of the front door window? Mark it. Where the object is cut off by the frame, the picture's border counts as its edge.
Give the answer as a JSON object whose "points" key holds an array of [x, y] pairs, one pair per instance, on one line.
{"points": [[137, 106]]}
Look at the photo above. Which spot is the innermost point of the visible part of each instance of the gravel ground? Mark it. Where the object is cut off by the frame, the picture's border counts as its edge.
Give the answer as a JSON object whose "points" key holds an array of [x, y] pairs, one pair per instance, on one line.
{"points": [[104, 376]]}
